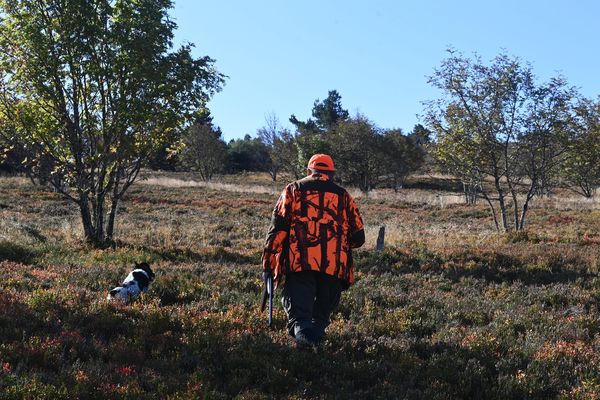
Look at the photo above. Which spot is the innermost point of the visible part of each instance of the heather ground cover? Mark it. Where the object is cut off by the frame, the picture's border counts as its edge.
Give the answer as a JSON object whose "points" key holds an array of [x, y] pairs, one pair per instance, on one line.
{"points": [[450, 309]]}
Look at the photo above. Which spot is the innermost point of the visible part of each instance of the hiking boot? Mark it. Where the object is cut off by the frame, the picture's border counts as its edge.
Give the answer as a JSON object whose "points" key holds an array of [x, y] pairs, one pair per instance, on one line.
{"points": [[305, 339]]}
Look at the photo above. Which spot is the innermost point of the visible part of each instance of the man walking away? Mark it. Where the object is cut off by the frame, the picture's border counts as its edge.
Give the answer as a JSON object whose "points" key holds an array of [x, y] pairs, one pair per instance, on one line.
{"points": [[314, 228]]}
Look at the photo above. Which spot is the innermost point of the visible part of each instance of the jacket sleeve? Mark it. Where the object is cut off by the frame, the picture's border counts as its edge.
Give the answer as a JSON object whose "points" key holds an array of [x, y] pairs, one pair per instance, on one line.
{"points": [[278, 234], [356, 234]]}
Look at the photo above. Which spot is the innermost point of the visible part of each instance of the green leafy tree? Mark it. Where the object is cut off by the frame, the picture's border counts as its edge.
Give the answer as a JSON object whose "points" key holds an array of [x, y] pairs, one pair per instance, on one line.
{"points": [[287, 150], [203, 150], [423, 139], [329, 112], [309, 144], [474, 125], [248, 154], [281, 146], [420, 135], [357, 146], [314, 135], [401, 155], [456, 152], [542, 144], [581, 169], [96, 87], [308, 127], [326, 114], [495, 123]]}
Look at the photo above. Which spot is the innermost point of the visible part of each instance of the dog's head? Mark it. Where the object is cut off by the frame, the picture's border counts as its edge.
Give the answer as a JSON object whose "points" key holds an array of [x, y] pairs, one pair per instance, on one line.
{"points": [[118, 293], [146, 268]]}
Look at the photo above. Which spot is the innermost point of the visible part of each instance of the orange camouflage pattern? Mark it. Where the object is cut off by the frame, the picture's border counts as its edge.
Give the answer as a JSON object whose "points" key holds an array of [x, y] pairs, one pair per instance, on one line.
{"points": [[315, 226]]}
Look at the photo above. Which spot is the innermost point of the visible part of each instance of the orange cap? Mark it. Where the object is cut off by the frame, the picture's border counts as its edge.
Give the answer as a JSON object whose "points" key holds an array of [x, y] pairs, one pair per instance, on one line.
{"points": [[322, 162]]}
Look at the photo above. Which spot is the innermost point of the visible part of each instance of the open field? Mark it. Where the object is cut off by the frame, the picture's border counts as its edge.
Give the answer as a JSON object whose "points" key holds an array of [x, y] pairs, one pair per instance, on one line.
{"points": [[450, 310]]}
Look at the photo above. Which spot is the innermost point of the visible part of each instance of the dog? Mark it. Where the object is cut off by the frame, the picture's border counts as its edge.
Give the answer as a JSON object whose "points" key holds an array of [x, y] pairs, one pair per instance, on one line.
{"points": [[134, 284]]}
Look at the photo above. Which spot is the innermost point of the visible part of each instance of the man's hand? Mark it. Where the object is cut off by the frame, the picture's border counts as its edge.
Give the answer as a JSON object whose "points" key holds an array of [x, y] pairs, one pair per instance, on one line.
{"points": [[265, 275]]}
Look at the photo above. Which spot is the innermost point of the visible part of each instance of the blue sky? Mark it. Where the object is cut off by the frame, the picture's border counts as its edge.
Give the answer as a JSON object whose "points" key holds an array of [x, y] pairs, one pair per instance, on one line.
{"points": [[282, 55]]}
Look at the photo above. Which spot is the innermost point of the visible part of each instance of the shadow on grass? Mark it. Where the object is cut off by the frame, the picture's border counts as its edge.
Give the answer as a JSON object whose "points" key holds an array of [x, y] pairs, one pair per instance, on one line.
{"points": [[212, 255], [490, 266], [355, 368], [15, 252], [56, 253]]}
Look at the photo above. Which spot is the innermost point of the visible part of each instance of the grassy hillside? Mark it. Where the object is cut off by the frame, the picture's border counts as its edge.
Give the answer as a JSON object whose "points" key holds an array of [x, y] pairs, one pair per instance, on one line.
{"points": [[450, 310]]}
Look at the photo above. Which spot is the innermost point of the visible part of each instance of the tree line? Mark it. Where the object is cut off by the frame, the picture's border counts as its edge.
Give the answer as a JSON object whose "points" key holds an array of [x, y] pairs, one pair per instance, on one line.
{"points": [[366, 156]]}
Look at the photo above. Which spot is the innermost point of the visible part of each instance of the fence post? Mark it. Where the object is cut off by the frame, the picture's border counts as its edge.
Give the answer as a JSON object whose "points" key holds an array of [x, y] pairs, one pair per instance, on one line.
{"points": [[381, 238]]}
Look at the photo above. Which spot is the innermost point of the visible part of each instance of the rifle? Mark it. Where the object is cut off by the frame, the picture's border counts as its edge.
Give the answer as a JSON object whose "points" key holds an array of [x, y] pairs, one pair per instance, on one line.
{"points": [[268, 295]]}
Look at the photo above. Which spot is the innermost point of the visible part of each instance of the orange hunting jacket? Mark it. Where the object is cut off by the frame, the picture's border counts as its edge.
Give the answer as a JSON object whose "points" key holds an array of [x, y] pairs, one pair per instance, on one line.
{"points": [[315, 226]]}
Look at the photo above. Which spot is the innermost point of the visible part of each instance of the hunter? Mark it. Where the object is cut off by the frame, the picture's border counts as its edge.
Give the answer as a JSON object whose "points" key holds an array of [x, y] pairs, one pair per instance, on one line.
{"points": [[315, 226]]}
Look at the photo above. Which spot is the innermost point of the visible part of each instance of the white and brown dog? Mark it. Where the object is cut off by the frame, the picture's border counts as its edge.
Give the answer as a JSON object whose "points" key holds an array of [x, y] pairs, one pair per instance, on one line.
{"points": [[134, 284]]}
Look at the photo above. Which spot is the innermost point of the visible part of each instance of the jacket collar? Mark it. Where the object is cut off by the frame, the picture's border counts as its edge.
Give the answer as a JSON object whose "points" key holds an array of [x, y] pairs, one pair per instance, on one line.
{"points": [[319, 177]]}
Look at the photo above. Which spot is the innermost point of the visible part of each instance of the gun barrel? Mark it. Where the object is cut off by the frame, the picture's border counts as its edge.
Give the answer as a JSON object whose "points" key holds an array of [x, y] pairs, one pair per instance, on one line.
{"points": [[270, 292]]}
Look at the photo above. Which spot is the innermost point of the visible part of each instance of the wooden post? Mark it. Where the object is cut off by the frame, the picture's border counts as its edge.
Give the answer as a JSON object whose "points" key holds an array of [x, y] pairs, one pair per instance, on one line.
{"points": [[381, 238]]}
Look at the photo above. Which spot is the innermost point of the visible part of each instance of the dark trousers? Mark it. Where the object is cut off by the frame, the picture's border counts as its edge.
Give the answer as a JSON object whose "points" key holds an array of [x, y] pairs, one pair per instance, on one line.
{"points": [[309, 297]]}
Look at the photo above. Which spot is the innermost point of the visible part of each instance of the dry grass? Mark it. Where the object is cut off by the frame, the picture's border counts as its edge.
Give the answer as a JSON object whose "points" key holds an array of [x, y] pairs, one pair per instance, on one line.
{"points": [[411, 196], [568, 201], [228, 187]]}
